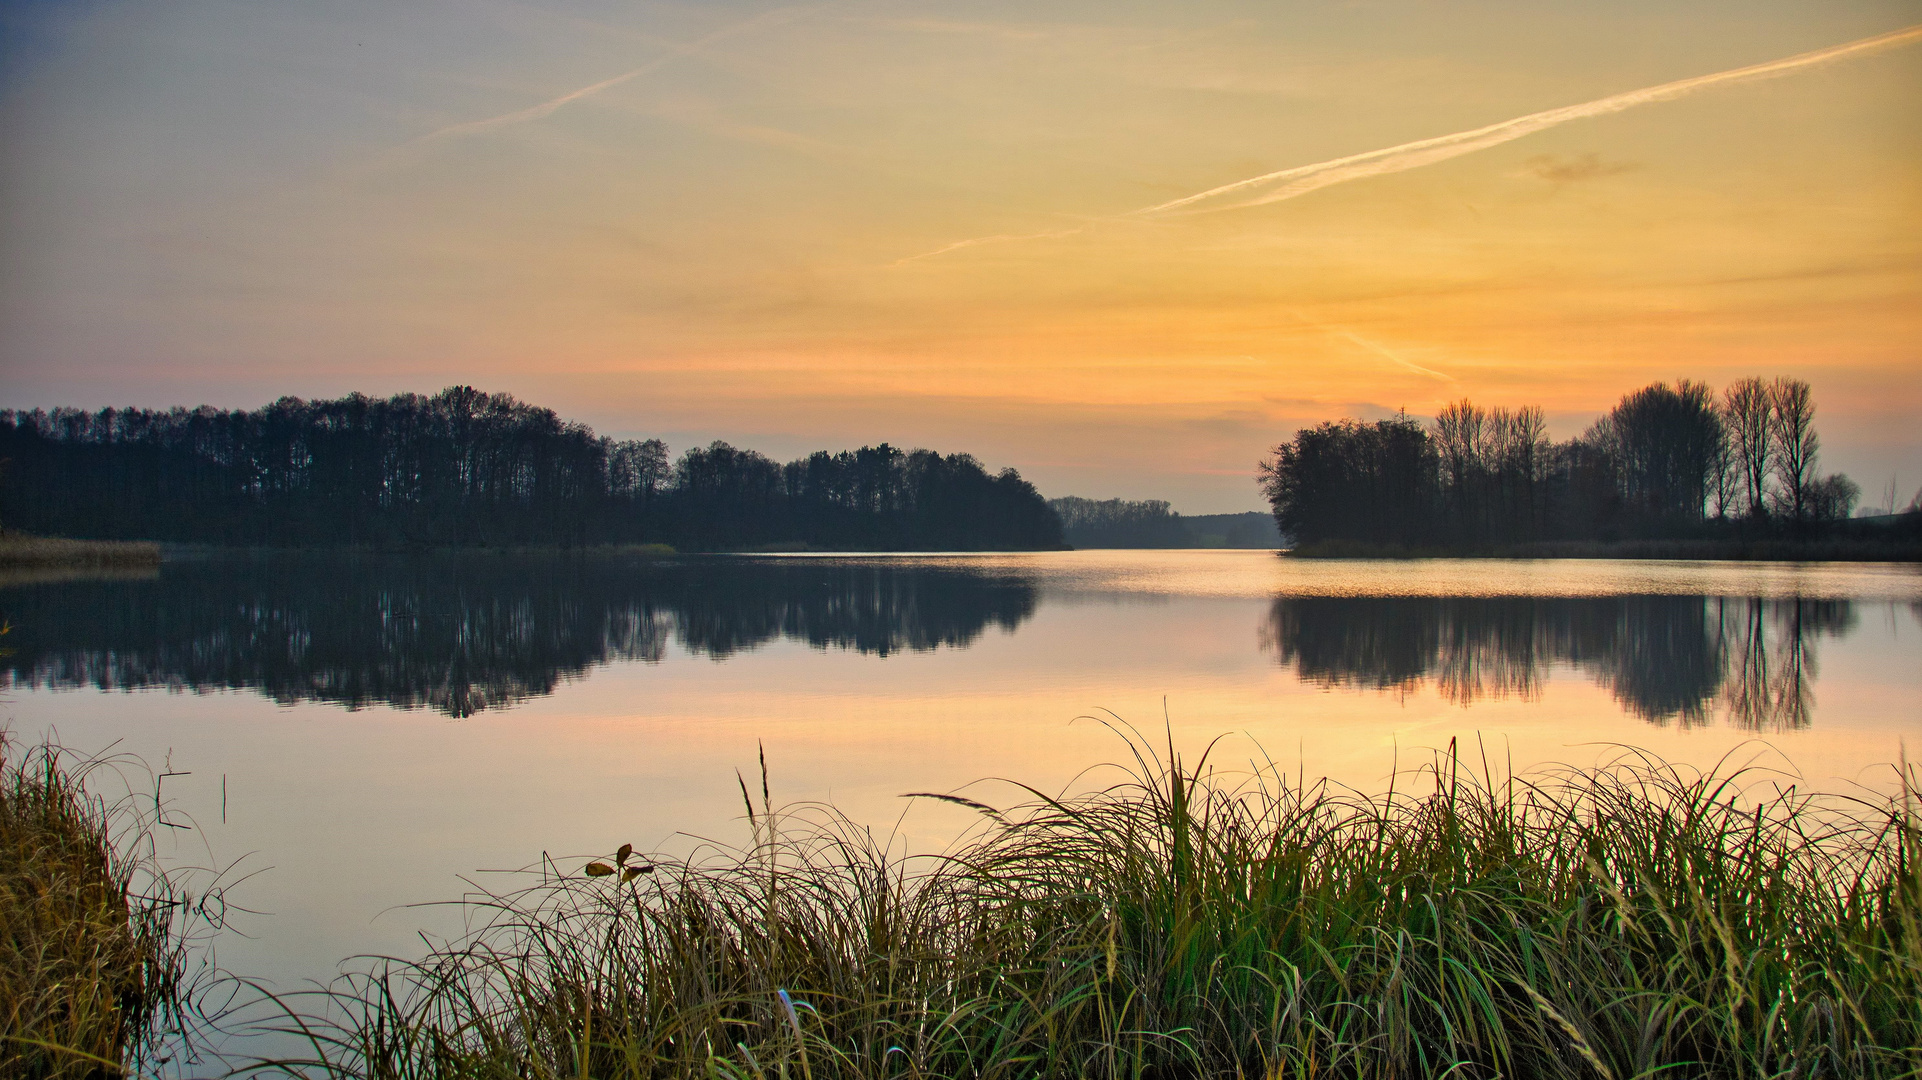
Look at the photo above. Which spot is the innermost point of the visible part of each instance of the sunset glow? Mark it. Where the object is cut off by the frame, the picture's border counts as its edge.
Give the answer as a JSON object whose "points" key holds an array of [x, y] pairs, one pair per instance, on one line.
{"points": [[1032, 234]]}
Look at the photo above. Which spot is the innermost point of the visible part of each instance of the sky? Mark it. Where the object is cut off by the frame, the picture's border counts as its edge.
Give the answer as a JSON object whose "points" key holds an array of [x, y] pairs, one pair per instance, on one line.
{"points": [[970, 226]]}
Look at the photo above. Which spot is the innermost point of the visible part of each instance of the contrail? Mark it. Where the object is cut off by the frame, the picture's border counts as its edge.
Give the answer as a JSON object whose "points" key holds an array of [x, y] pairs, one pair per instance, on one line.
{"points": [[536, 112], [544, 108], [1375, 347], [1303, 179], [1385, 353]]}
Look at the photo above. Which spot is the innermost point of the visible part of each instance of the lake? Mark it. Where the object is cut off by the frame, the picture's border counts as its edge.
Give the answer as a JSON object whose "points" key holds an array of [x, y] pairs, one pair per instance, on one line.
{"points": [[360, 734]]}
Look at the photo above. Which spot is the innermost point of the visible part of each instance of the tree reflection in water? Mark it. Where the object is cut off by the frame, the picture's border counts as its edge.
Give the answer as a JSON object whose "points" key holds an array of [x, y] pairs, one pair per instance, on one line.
{"points": [[1664, 658], [463, 633]]}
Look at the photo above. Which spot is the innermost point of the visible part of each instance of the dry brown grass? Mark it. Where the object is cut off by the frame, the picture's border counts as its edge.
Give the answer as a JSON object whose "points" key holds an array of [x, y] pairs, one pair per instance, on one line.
{"points": [[91, 968]]}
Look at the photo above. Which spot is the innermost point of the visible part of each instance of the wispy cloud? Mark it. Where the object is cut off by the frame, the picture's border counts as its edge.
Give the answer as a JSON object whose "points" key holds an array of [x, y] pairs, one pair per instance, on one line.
{"points": [[1300, 180], [674, 52], [1003, 31]]}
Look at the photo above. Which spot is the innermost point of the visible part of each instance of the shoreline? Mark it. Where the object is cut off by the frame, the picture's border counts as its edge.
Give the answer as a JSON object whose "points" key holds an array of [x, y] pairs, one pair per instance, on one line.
{"points": [[22, 551], [25, 553], [1837, 550]]}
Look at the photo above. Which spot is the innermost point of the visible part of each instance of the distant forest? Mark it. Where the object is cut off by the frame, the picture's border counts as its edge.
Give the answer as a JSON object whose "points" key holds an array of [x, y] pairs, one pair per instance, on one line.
{"points": [[1151, 523], [465, 468], [1667, 462]]}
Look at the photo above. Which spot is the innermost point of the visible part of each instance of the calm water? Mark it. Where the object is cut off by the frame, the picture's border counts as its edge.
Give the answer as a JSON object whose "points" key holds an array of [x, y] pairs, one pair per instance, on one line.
{"points": [[360, 733]]}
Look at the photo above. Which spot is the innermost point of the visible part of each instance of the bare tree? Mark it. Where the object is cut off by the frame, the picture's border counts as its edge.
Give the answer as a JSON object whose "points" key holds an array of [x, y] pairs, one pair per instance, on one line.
{"points": [[1748, 418], [1722, 479], [1519, 444], [1794, 445], [1458, 437]]}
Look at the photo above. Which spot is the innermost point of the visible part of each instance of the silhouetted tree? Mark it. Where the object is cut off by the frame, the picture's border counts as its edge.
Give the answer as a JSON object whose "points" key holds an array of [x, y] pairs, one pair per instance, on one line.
{"points": [[1748, 418], [1722, 479], [1663, 443], [1794, 445], [1492, 464], [1348, 480], [637, 469]]}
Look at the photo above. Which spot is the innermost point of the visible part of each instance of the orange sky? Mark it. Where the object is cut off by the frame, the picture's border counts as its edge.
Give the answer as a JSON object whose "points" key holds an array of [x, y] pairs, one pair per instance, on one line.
{"points": [[715, 220]]}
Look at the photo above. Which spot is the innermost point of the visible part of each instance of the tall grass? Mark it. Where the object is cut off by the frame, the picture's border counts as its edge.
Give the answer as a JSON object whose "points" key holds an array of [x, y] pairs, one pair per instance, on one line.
{"points": [[92, 957], [1637, 919]]}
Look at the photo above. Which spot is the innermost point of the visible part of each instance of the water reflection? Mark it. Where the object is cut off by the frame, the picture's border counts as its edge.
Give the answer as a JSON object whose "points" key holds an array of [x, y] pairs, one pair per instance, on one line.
{"points": [[462, 634], [1664, 658], [465, 633]]}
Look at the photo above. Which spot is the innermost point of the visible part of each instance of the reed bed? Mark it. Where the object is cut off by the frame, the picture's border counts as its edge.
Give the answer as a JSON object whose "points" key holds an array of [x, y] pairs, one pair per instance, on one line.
{"points": [[92, 957], [24, 551], [1636, 919]]}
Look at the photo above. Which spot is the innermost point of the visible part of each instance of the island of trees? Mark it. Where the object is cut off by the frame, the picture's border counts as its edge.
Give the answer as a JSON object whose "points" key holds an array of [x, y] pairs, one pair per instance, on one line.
{"points": [[1668, 462], [468, 468]]}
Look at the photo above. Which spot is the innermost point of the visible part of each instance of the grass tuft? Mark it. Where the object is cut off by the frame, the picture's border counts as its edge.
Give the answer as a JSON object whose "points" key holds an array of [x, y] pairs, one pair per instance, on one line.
{"points": [[1637, 919], [92, 962]]}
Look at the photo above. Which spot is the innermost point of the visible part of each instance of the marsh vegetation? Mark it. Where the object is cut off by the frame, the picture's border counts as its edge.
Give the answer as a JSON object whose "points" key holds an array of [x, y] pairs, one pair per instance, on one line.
{"points": [[1635, 919], [93, 960]]}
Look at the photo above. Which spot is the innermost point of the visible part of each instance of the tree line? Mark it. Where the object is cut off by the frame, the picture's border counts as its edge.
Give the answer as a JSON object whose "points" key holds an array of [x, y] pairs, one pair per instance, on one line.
{"points": [[1152, 523], [1667, 461], [464, 467], [1120, 523]]}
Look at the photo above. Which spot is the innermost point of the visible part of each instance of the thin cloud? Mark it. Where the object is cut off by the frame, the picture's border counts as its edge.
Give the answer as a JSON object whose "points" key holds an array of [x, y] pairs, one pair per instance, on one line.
{"points": [[998, 238], [675, 52], [1300, 180]]}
